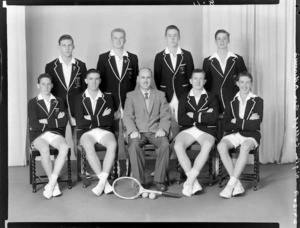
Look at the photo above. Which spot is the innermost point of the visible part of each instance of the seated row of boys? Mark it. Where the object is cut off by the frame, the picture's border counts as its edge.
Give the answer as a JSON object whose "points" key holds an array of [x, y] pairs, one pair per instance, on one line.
{"points": [[147, 118]]}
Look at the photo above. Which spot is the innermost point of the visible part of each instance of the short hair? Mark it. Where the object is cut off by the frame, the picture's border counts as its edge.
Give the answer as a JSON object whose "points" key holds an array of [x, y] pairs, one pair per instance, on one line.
{"points": [[244, 74], [198, 70], [118, 30], [65, 37], [172, 27], [145, 68], [92, 70], [222, 31], [44, 75]]}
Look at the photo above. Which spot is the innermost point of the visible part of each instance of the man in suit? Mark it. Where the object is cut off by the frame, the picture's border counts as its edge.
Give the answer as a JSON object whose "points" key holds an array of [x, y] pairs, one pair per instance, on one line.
{"points": [[68, 75], [94, 116], [172, 69], [242, 119], [197, 117], [221, 69], [47, 121], [147, 119]]}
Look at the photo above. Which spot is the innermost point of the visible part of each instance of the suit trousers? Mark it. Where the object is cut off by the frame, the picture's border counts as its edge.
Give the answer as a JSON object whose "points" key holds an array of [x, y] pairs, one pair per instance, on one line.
{"points": [[137, 156]]}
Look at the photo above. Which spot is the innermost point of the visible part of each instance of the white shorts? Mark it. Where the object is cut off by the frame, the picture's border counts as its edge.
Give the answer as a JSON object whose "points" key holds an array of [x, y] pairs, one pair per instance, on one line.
{"points": [[194, 132], [48, 136], [97, 134], [174, 107], [237, 139]]}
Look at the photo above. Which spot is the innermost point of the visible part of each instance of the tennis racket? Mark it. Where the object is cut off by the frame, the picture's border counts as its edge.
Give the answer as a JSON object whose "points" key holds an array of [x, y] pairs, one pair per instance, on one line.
{"points": [[131, 188]]}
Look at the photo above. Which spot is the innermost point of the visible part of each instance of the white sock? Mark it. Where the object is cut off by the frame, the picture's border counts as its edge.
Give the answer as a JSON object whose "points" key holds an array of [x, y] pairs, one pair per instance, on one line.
{"points": [[102, 178], [191, 176], [232, 181], [53, 179]]}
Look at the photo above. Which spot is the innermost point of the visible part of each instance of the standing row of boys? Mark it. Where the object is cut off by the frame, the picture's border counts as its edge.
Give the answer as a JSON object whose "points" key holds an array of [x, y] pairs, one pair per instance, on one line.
{"points": [[95, 101]]}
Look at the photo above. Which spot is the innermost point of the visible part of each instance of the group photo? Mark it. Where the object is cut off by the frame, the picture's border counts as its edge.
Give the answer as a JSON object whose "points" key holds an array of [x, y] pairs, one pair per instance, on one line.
{"points": [[152, 113]]}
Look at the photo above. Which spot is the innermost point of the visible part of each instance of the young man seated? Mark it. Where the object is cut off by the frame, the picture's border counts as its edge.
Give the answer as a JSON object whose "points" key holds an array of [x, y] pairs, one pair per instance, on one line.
{"points": [[147, 119], [94, 116], [47, 122], [242, 119], [197, 117]]}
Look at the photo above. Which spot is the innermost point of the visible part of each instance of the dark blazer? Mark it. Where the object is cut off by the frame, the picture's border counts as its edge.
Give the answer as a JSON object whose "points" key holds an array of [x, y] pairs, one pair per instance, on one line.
{"points": [[223, 84], [112, 82], [37, 110], [208, 120], [76, 86], [84, 107], [168, 79], [245, 126], [137, 118]]}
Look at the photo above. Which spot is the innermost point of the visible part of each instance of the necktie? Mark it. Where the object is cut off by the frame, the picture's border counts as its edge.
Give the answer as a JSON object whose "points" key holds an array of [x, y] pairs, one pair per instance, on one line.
{"points": [[147, 101]]}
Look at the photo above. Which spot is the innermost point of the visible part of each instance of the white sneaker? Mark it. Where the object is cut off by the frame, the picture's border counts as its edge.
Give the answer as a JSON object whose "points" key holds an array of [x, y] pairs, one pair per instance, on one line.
{"points": [[108, 188], [187, 189], [48, 192], [196, 187], [227, 192], [98, 190], [238, 189], [56, 190]]}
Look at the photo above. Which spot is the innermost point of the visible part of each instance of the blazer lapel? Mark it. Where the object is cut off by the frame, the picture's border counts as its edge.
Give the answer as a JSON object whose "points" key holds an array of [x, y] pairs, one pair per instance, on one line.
{"points": [[75, 70], [113, 66], [178, 63], [235, 108], [202, 102], [87, 105], [126, 62], [53, 104], [168, 62], [59, 73], [100, 103], [216, 65], [42, 105], [249, 107], [229, 65], [192, 102]]}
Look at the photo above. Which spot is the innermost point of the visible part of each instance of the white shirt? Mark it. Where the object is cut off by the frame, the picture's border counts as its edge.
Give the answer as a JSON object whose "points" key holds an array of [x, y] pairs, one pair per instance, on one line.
{"points": [[93, 101], [223, 65], [242, 106], [173, 58], [67, 69], [192, 94], [119, 60], [48, 103]]}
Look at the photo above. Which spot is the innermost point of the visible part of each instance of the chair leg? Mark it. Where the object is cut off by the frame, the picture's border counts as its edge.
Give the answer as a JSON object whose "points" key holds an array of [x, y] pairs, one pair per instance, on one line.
{"points": [[30, 169], [78, 165], [210, 169], [220, 173], [33, 167], [84, 178], [69, 170], [255, 171], [168, 178]]}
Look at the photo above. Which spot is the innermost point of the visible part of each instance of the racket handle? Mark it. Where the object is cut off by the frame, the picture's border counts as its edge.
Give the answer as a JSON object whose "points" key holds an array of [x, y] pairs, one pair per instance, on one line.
{"points": [[171, 194]]}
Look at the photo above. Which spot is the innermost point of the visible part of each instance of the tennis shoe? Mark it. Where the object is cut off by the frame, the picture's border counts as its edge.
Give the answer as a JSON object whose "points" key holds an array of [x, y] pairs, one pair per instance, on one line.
{"points": [[56, 190], [238, 189], [98, 190], [227, 191], [108, 188], [187, 189], [196, 187], [48, 192]]}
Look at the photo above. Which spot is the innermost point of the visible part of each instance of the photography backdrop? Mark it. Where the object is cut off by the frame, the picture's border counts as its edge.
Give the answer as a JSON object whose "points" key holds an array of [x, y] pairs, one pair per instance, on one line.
{"points": [[263, 34]]}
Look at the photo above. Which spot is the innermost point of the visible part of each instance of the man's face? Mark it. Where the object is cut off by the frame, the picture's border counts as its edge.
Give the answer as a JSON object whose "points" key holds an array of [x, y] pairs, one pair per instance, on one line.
{"points": [[222, 41], [118, 40], [172, 38], [45, 85], [244, 83], [93, 81], [144, 79], [66, 48], [198, 80]]}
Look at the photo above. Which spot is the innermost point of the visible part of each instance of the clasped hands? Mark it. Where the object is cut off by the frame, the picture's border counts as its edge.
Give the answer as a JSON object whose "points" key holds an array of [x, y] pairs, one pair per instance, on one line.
{"points": [[159, 133], [254, 116], [59, 116]]}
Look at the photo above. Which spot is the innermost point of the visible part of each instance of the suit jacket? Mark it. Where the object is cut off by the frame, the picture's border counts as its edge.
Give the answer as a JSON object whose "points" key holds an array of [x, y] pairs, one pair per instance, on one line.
{"points": [[112, 82], [76, 86], [223, 84], [167, 79], [245, 126], [137, 118], [98, 120], [37, 110], [208, 120]]}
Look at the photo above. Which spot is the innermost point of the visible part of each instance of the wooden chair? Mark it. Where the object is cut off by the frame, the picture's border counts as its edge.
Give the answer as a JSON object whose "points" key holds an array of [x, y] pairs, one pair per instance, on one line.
{"points": [[254, 176], [81, 161], [32, 169]]}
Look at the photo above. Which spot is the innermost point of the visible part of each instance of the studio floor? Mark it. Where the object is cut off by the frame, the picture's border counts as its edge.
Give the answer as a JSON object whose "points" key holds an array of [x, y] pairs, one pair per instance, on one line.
{"points": [[272, 202]]}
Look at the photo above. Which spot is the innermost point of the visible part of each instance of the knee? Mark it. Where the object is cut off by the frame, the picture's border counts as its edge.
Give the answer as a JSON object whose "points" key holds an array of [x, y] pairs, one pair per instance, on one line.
{"points": [[245, 149], [112, 145], [179, 147], [88, 147], [222, 148], [133, 145], [165, 145], [63, 149]]}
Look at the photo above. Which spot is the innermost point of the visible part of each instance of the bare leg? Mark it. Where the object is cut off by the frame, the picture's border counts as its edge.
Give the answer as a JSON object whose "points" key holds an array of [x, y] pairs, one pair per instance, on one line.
{"points": [[223, 148], [43, 147], [62, 146]]}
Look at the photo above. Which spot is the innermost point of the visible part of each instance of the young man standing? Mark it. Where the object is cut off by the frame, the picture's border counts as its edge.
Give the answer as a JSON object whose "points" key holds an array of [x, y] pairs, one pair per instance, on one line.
{"points": [[172, 69], [221, 69], [68, 76], [47, 122]]}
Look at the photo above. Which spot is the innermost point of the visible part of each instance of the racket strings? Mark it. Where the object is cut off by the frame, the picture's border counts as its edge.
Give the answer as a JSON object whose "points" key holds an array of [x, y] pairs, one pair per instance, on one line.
{"points": [[126, 188]]}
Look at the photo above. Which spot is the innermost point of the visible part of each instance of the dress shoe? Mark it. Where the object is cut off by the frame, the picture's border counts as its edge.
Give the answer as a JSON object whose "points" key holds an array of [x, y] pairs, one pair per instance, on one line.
{"points": [[238, 189], [56, 190], [160, 187]]}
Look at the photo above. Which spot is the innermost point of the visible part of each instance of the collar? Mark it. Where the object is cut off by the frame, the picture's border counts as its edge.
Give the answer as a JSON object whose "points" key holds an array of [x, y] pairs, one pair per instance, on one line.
{"points": [[100, 94], [179, 51], [149, 91], [250, 95], [40, 97], [112, 53], [61, 60], [229, 54], [192, 94]]}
